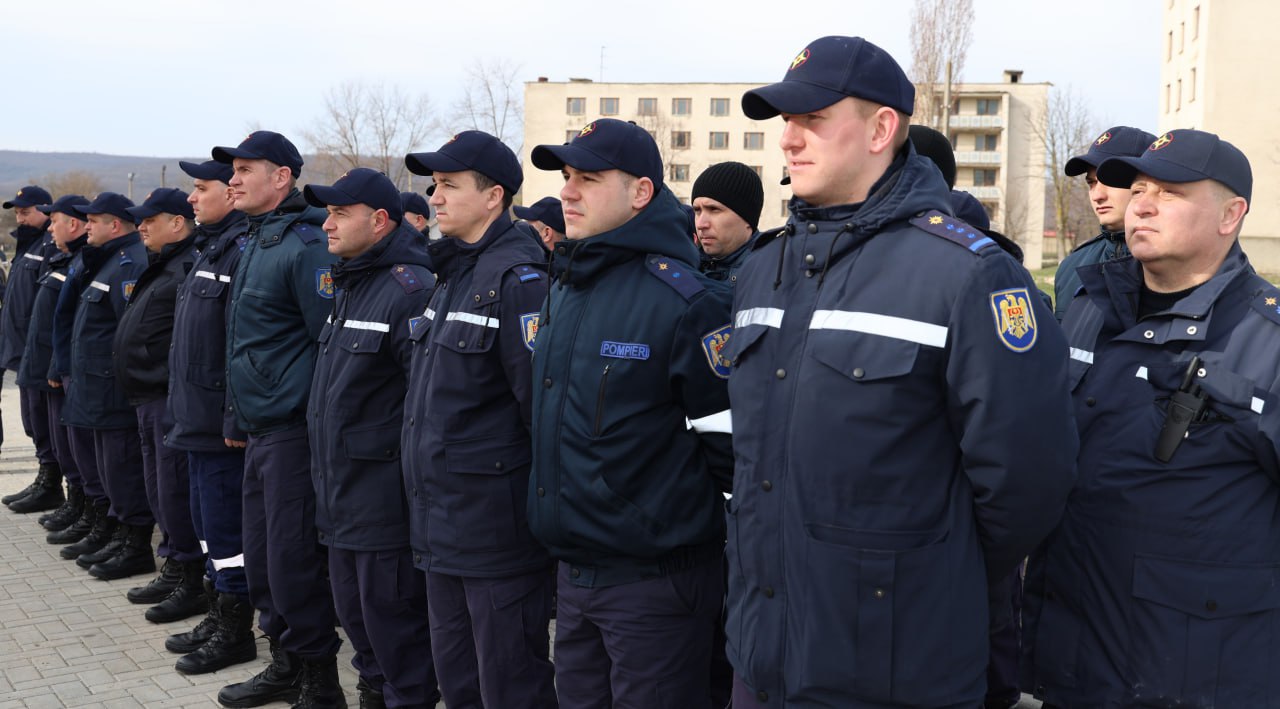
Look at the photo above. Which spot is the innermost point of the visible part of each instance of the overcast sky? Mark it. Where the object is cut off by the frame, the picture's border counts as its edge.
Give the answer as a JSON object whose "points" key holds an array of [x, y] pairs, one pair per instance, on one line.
{"points": [[166, 78]]}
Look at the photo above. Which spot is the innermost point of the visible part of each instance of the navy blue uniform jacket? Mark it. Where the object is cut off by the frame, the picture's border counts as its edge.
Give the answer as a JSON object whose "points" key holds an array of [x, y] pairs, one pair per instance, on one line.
{"points": [[281, 294], [903, 436], [34, 245], [198, 361], [631, 437], [725, 268], [36, 369], [95, 398], [357, 394], [1106, 246], [467, 427], [1162, 583], [146, 328]]}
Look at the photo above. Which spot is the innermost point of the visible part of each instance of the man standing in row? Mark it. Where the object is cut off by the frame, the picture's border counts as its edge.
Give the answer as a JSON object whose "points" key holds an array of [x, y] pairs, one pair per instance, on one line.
{"points": [[727, 198]]}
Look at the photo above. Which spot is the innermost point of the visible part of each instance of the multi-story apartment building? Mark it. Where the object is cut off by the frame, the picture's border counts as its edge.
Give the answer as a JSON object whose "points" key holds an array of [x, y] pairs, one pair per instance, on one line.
{"points": [[1215, 75], [699, 124]]}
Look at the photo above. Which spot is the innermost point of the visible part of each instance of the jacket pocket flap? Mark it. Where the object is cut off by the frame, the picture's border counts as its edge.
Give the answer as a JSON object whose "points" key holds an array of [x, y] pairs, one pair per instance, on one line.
{"points": [[380, 443], [864, 358], [359, 341], [92, 295], [740, 341], [491, 455], [206, 376], [1207, 590]]}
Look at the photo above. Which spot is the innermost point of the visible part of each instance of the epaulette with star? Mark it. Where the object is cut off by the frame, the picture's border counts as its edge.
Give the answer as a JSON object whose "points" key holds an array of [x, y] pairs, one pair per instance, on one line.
{"points": [[953, 230], [675, 274], [309, 233], [407, 279], [527, 273], [1267, 302]]}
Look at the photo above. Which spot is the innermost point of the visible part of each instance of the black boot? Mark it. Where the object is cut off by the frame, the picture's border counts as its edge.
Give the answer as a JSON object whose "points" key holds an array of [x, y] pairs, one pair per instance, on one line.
{"points": [[68, 513], [320, 687], [160, 587], [186, 600], [370, 698], [118, 534], [99, 534], [183, 643], [78, 530], [231, 644], [35, 485], [279, 681], [47, 495], [135, 556]]}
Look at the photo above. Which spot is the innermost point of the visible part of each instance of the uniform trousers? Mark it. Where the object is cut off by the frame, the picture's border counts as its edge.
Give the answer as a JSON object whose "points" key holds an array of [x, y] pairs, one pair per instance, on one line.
{"points": [[35, 421], [119, 455], [58, 436], [168, 486], [217, 513]]}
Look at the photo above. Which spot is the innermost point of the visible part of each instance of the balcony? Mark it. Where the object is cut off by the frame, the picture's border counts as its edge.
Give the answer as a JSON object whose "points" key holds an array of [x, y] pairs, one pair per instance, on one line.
{"points": [[978, 157], [991, 193], [964, 121]]}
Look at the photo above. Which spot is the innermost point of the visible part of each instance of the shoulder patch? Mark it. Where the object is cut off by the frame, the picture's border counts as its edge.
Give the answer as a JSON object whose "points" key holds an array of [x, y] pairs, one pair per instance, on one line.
{"points": [[308, 233], [1267, 302], [953, 230], [324, 282], [407, 279], [675, 274], [712, 345], [127, 289], [526, 273], [1015, 318], [529, 328]]}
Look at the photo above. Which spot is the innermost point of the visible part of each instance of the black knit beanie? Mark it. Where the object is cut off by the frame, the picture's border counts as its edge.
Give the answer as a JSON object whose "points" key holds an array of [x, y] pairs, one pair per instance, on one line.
{"points": [[935, 146], [734, 185]]}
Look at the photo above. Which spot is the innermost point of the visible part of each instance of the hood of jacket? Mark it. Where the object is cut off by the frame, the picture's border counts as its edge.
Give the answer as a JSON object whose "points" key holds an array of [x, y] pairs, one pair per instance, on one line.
{"points": [[659, 228]]}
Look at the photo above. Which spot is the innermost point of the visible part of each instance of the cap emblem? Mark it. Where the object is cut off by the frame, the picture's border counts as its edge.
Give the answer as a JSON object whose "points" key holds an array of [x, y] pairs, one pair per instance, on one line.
{"points": [[1161, 141], [1103, 138], [800, 59], [588, 130]]}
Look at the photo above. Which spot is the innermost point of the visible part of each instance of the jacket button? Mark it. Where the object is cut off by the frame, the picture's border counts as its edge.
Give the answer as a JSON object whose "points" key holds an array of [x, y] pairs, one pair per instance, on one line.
{"points": [[546, 382], [781, 374], [879, 593], [763, 695], [1191, 330], [813, 228], [387, 451], [1148, 334], [808, 274], [574, 573], [809, 259], [492, 293], [417, 558], [1090, 401], [858, 373], [1211, 605], [766, 486], [477, 297], [355, 346], [462, 345], [768, 591], [542, 492], [410, 420], [497, 465]]}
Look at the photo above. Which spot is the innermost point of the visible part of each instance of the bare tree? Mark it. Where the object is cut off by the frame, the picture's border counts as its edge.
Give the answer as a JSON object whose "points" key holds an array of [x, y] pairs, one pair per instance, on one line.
{"points": [[1067, 129], [492, 101], [369, 126], [941, 32], [78, 182], [669, 134]]}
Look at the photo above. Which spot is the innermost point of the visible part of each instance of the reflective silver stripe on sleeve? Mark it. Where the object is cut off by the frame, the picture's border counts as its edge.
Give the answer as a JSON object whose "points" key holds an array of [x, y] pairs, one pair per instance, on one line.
{"points": [[720, 422], [1257, 404], [364, 325], [1082, 356], [1141, 373], [33, 257], [771, 317], [100, 286], [429, 314], [59, 276], [884, 325], [473, 319]]}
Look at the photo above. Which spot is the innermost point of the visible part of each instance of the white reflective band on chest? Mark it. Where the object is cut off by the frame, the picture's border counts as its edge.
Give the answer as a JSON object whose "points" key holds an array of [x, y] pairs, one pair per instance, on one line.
{"points": [[1082, 356], [363, 325], [33, 257], [100, 286], [213, 276], [1256, 404], [473, 319], [884, 325], [429, 314], [57, 275], [1141, 373], [720, 422], [770, 317]]}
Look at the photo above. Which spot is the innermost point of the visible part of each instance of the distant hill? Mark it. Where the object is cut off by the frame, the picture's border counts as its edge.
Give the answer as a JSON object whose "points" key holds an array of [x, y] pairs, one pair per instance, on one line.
{"points": [[18, 168]]}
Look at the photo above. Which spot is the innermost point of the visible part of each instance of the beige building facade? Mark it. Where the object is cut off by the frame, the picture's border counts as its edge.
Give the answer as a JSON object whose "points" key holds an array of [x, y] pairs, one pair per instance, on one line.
{"points": [[1217, 74], [697, 125]]}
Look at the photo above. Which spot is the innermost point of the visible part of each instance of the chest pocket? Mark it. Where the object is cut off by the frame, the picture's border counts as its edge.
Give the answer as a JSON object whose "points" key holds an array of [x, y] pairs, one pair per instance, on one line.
{"points": [[207, 288], [358, 341], [1231, 395], [864, 358], [92, 295], [1076, 370], [742, 341], [467, 332]]}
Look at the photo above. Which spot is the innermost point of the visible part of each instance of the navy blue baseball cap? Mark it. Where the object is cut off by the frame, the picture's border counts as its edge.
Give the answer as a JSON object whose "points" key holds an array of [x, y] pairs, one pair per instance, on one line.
{"points": [[1120, 141], [414, 202], [113, 203], [208, 170], [828, 70], [361, 185], [472, 150], [29, 196], [1184, 156], [166, 200], [263, 145], [605, 144], [65, 204], [546, 210]]}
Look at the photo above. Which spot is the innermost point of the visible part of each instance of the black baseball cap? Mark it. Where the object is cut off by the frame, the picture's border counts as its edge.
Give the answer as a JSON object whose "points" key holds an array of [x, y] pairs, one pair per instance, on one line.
{"points": [[414, 202], [361, 185], [113, 203], [263, 145], [546, 210], [828, 70], [29, 196], [66, 204], [1119, 141], [166, 200], [605, 144], [208, 170], [471, 150], [1184, 155]]}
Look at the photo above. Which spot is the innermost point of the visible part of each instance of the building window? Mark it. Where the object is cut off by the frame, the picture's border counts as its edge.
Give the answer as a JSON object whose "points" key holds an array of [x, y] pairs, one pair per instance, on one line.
{"points": [[569, 135], [719, 140], [753, 141], [681, 106], [1193, 85], [786, 174], [758, 169], [1168, 88], [608, 106], [984, 178], [988, 106], [719, 106], [1195, 23], [648, 107], [784, 208], [575, 106], [679, 173], [1179, 95], [681, 139], [1168, 47], [985, 141], [1182, 36]]}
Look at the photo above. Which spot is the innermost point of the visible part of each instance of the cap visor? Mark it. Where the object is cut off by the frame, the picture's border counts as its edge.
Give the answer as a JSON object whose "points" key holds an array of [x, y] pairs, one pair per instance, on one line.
{"points": [[18, 203], [427, 163], [142, 212], [1077, 166], [226, 155], [1120, 172], [323, 196], [44, 208], [524, 212], [794, 97], [555, 157]]}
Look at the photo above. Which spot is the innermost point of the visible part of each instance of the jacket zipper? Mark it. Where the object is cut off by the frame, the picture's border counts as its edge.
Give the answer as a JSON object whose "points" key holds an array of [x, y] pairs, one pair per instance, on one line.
{"points": [[604, 379]]}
